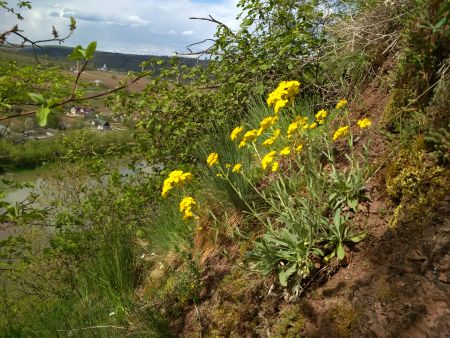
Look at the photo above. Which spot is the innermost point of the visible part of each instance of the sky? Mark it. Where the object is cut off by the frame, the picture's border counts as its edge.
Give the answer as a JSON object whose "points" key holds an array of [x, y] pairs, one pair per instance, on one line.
{"points": [[157, 27]]}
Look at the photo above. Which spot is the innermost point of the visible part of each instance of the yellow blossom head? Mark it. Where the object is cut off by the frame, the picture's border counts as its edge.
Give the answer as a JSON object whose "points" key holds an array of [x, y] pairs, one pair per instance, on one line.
{"points": [[275, 166], [212, 159], [235, 133], [175, 178], [186, 205], [321, 115], [285, 151], [266, 123], [237, 168], [267, 159], [292, 129], [284, 93], [299, 148], [250, 135], [341, 104], [341, 132], [364, 123]]}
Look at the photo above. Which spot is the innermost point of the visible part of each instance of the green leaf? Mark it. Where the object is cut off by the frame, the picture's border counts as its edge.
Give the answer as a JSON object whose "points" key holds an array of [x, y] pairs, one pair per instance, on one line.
{"points": [[284, 275], [90, 50], [353, 204], [76, 53], [358, 238], [42, 115], [337, 218], [439, 25], [37, 98], [340, 252]]}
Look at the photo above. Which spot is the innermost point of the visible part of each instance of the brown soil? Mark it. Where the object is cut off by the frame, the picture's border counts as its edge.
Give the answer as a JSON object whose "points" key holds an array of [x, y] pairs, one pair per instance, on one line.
{"points": [[394, 284]]}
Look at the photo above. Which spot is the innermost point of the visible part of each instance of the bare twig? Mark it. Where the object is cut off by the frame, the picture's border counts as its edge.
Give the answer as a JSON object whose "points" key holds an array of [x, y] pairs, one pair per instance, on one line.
{"points": [[211, 19]]}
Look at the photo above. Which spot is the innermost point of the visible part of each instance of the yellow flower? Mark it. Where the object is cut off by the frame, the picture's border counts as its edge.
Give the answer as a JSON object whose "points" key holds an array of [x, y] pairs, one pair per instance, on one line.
{"points": [[175, 178], [292, 129], [280, 104], [250, 135], [227, 165], [341, 104], [364, 123], [235, 133], [272, 139], [312, 125], [321, 115], [275, 166], [285, 151], [219, 175], [341, 132], [186, 177], [237, 168], [301, 120], [284, 93], [242, 144], [186, 202], [266, 123], [268, 142], [268, 158], [212, 159], [186, 207], [299, 148]]}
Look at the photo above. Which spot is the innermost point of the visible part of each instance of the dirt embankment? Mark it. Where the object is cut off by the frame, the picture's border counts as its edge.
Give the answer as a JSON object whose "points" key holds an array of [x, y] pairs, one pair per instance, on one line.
{"points": [[393, 284]]}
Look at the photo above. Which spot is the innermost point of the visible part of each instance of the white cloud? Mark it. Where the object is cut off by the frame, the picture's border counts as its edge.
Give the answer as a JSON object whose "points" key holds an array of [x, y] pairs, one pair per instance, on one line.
{"points": [[146, 26]]}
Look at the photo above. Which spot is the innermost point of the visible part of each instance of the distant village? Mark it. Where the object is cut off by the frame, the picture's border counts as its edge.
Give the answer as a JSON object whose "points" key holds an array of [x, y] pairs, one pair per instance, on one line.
{"points": [[76, 117], [95, 120]]}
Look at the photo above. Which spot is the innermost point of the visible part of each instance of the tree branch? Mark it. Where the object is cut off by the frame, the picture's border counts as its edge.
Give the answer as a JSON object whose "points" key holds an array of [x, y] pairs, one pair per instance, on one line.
{"points": [[211, 19], [74, 99]]}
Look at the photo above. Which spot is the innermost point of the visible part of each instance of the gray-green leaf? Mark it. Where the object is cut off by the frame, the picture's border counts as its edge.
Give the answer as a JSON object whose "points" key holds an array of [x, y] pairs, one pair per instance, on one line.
{"points": [[42, 115]]}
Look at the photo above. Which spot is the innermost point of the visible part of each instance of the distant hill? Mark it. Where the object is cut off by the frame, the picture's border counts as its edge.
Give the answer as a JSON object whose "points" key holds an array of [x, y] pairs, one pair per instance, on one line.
{"points": [[114, 61]]}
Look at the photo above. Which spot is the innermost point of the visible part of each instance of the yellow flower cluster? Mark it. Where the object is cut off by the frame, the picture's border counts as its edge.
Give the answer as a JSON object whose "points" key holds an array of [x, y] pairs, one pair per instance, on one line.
{"points": [[299, 148], [341, 132], [285, 151], [212, 159], [275, 166], [175, 178], [271, 140], [235, 133], [266, 123], [341, 104], [186, 205], [248, 137], [268, 159], [284, 93], [320, 116], [298, 122], [237, 168], [364, 123]]}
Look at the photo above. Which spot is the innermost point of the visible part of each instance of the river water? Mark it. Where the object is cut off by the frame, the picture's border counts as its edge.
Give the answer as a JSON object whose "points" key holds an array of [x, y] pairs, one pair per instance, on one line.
{"points": [[44, 190]]}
